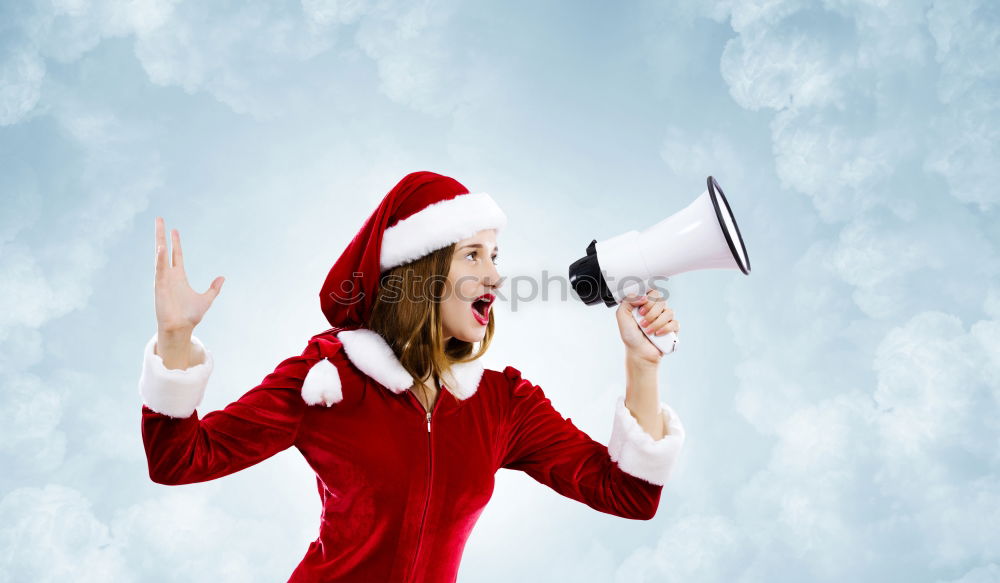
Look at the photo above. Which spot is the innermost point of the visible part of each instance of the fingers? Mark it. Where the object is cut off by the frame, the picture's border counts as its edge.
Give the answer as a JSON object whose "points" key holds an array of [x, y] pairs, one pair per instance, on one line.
{"points": [[178, 256], [215, 288], [653, 312], [663, 325], [161, 248], [161, 261], [657, 317], [656, 304], [160, 240], [634, 300]]}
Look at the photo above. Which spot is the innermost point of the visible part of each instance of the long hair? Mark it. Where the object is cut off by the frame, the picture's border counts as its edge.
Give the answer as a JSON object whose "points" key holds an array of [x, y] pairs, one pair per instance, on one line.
{"points": [[407, 314]]}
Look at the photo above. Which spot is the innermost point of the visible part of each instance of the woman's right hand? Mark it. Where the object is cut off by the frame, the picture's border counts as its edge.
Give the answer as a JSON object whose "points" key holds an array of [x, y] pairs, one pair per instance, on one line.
{"points": [[178, 307]]}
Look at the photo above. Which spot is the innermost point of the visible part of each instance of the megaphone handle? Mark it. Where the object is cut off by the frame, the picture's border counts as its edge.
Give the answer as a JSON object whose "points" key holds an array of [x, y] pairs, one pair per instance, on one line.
{"points": [[666, 343]]}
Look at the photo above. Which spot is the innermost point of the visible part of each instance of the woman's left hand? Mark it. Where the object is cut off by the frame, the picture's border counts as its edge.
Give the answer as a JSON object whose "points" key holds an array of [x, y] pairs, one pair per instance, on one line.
{"points": [[660, 321]]}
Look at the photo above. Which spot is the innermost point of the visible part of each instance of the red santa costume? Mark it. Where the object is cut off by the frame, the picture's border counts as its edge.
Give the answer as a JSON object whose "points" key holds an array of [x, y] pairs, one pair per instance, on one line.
{"points": [[401, 488]]}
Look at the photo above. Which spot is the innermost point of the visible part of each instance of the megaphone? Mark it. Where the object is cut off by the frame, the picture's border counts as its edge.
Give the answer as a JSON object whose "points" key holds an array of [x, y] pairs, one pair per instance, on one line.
{"points": [[703, 235]]}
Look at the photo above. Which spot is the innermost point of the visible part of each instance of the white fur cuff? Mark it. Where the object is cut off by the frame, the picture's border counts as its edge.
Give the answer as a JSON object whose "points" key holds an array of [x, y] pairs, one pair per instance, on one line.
{"points": [[635, 451], [174, 392]]}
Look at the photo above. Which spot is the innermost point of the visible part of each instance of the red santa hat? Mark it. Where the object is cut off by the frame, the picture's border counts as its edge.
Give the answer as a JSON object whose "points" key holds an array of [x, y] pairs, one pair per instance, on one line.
{"points": [[424, 212]]}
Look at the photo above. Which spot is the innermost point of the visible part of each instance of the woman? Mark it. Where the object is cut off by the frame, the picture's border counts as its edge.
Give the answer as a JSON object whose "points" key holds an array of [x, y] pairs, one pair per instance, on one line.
{"points": [[392, 407]]}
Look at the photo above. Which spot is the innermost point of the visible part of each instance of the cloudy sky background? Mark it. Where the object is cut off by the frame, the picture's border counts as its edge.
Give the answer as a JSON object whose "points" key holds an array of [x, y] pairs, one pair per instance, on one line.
{"points": [[841, 402]]}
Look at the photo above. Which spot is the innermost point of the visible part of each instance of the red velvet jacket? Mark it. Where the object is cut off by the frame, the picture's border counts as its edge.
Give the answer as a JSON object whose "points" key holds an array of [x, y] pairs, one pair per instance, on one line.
{"points": [[401, 488]]}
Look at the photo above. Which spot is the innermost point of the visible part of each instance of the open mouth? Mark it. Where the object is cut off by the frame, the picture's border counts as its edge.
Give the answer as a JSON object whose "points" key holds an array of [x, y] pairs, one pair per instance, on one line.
{"points": [[481, 308]]}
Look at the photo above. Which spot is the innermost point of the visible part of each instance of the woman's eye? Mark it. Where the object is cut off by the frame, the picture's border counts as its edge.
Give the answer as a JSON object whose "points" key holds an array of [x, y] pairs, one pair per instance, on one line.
{"points": [[471, 253]]}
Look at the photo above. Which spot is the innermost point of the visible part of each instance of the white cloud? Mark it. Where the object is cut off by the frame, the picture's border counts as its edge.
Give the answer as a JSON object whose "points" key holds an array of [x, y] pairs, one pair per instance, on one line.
{"points": [[31, 440], [938, 430], [419, 64], [21, 74], [48, 279], [258, 58], [50, 534], [931, 389], [966, 135], [865, 481], [886, 256], [967, 39], [703, 154], [231, 55], [842, 173], [871, 473], [706, 548], [249, 58], [186, 534], [778, 69], [965, 150]]}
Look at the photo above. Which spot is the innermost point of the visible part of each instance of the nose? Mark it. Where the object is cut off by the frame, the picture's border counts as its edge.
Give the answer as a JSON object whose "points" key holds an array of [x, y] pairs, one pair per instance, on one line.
{"points": [[493, 278]]}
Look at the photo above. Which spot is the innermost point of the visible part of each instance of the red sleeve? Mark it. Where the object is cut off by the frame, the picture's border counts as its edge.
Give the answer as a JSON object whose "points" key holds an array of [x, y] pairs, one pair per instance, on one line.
{"points": [[553, 451], [185, 449]]}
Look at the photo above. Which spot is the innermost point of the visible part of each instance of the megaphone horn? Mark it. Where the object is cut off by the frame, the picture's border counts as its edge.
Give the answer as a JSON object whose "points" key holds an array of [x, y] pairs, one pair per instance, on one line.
{"points": [[703, 235]]}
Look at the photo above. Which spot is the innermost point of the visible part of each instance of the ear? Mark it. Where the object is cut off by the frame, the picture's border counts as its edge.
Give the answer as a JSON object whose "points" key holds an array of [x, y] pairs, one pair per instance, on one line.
{"points": [[322, 384]]}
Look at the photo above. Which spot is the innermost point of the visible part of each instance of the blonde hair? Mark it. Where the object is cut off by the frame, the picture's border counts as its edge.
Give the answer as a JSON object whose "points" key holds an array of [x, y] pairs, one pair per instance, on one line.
{"points": [[407, 314]]}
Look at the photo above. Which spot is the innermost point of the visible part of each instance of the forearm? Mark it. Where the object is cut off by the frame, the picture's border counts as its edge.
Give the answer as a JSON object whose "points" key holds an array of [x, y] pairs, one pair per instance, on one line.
{"points": [[177, 350], [642, 397]]}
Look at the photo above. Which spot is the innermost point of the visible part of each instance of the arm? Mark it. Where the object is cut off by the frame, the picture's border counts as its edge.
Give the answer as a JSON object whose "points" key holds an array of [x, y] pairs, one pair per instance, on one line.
{"points": [[642, 398], [182, 448], [642, 358], [624, 478]]}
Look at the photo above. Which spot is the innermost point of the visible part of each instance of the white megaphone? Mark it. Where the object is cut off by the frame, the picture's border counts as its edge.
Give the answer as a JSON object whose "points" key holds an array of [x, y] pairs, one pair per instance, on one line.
{"points": [[703, 235]]}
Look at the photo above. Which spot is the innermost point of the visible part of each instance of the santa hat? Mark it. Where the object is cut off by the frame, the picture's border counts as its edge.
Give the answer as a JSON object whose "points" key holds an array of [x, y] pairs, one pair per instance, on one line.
{"points": [[424, 212]]}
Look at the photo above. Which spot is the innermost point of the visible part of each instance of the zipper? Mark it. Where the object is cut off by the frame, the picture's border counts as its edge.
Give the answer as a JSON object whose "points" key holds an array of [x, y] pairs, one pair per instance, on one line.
{"points": [[430, 475]]}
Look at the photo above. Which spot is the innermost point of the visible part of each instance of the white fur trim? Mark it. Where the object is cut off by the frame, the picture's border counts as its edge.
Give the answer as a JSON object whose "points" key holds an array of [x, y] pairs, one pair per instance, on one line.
{"points": [[174, 392], [438, 225], [635, 451], [322, 384], [465, 378], [373, 356], [368, 351]]}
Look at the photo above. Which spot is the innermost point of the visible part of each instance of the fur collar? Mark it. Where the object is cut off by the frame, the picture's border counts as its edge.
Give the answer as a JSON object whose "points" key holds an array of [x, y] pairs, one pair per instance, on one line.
{"points": [[368, 351]]}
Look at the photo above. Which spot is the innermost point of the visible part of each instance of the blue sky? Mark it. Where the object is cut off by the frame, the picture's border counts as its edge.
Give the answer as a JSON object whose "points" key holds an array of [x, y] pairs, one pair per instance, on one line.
{"points": [[841, 402]]}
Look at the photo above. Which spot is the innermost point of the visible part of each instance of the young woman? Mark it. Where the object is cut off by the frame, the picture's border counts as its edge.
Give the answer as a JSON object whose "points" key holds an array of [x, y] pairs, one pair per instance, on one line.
{"points": [[392, 407]]}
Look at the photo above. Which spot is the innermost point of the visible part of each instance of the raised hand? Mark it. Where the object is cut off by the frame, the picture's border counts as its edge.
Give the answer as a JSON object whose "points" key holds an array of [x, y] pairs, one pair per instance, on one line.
{"points": [[659, 321], [178, 307]]}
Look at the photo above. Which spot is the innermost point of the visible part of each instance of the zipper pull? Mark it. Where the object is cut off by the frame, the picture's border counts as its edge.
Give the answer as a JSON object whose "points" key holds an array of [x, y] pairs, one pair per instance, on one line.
{"points": [[428, 422]]}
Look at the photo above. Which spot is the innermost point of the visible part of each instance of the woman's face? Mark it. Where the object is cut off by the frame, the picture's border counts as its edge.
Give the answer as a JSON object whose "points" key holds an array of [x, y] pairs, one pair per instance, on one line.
{"points": [[472, 274]]}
